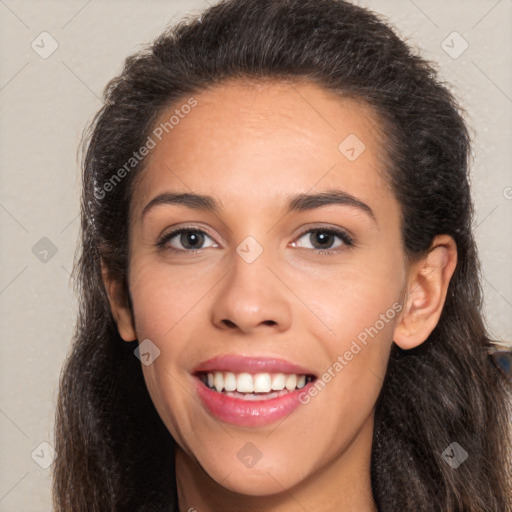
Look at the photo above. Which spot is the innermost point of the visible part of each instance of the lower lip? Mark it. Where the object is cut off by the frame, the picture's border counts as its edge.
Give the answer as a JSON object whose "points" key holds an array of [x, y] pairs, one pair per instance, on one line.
{"points": [[238, 411]]}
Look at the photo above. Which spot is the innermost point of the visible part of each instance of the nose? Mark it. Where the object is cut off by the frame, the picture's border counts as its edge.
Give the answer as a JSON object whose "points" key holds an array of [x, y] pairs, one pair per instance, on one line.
{"points": [[252, 298]]}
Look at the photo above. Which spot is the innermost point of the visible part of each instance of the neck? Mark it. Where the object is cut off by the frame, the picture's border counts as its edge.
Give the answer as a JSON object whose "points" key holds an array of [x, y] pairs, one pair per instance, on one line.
{"points": [[342, 485]]}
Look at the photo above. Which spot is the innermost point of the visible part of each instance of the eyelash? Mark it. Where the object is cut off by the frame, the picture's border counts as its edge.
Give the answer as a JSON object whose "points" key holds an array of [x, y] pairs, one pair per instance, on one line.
{"points": [[347, 240]]}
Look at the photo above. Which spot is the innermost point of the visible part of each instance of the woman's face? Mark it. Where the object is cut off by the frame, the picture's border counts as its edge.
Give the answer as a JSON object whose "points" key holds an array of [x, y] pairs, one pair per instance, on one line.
{"points": [[257, 293]]}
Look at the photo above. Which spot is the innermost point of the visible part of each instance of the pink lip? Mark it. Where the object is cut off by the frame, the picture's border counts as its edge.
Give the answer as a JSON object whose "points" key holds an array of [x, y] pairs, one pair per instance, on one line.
{"points": [[237, 364], [244, 412], [247, 413]]}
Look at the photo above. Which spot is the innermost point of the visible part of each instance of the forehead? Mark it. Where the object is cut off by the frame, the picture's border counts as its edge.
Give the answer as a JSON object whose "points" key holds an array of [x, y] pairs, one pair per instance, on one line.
{"points": [[259, 140]]}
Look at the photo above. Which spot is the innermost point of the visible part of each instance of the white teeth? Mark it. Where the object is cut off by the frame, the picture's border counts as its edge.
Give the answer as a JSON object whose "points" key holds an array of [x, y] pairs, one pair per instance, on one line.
{"points": [[278, 381], [262, 383], [258, 383], [291, 382], [244, 383], [218, 381], [229, 381]]}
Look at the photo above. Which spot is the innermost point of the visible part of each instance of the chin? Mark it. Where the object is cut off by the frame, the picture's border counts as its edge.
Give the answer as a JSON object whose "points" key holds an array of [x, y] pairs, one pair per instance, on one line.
{"points": [[262, 479]]}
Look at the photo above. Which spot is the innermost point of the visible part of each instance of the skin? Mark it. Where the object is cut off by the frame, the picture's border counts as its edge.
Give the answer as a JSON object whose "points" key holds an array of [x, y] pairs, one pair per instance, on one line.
{"points": [[250, 146]]}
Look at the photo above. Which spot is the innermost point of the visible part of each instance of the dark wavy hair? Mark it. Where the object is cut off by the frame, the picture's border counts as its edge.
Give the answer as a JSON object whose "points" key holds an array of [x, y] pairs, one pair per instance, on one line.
{"points": [[113, 450]]}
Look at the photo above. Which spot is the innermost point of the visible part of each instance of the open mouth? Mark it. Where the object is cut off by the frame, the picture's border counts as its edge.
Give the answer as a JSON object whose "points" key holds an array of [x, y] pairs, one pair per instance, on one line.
{"points": [[257, 386]]}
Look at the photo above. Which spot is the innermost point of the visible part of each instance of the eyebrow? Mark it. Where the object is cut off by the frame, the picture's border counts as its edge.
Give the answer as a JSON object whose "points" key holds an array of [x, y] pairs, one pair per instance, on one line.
{"points": [[296, 202]]}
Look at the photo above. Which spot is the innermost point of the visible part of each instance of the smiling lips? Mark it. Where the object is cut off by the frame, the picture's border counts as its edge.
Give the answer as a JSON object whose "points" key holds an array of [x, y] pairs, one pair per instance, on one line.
{"points": [[248, 391]]}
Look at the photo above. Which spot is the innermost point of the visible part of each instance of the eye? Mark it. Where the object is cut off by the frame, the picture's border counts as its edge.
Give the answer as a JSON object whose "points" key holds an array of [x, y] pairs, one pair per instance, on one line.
{"points": [[322, 239], [190, 239]]}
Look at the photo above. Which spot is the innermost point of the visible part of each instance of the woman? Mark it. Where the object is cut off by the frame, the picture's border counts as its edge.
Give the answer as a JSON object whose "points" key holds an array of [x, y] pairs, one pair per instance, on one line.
{"points": [[280, 307]]}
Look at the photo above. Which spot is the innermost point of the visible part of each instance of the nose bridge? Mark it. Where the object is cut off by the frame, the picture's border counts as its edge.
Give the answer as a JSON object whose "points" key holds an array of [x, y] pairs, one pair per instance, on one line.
{"points": [[251, 295], [250, 266]]}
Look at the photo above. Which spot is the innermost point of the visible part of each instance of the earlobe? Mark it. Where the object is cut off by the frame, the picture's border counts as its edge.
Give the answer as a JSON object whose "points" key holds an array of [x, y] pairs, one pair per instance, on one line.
{"points": [[426, 292], [119, 306]]}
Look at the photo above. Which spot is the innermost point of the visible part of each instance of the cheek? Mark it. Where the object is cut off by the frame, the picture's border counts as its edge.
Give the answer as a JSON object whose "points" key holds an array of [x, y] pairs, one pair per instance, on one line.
{"points": [[165, 297], [354, 297], [359, 305], [165, 305]]}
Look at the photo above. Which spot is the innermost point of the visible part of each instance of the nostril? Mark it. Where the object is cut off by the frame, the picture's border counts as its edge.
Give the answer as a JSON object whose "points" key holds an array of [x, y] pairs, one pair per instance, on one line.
{"points": [[229, 323]]}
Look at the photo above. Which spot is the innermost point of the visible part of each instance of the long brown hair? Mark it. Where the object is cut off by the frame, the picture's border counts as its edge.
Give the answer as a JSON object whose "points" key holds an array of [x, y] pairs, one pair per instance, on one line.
{"points": [[113, 451]]}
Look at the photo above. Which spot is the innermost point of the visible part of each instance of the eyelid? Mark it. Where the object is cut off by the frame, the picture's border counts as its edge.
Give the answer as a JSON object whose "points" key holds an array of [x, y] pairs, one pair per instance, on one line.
{"points": [[327, 227]]}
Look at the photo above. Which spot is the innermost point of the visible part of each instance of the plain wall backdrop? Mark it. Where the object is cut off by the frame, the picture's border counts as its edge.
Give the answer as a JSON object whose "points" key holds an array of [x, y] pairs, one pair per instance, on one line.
{"points": [[56, 58]]}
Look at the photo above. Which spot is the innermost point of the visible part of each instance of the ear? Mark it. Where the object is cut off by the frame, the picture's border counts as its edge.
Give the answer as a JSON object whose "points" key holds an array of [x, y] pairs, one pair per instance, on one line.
{"points": [[428, 280], [119, 305]]}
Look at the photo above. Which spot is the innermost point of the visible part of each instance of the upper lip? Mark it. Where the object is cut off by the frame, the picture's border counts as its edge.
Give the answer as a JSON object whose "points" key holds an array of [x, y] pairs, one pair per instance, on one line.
{"points": [[251, 364]]}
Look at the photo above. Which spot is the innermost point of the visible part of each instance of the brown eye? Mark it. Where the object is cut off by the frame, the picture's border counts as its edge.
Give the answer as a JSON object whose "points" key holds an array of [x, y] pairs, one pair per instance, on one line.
{"points": [[190, 240], [322, 239]]}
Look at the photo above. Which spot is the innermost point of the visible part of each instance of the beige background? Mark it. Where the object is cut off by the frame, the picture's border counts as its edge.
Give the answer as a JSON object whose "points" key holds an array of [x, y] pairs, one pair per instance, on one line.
{"points": [[45, 104]]}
